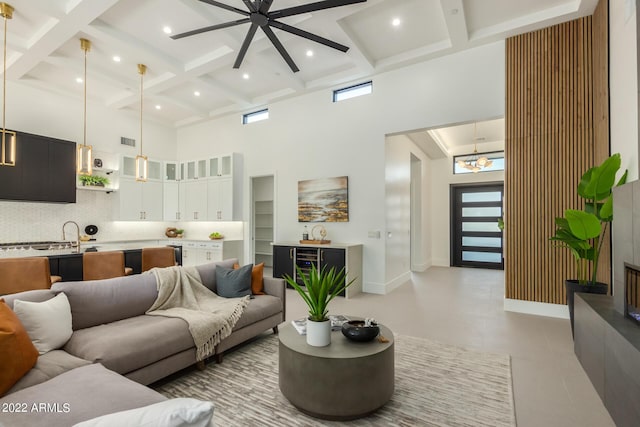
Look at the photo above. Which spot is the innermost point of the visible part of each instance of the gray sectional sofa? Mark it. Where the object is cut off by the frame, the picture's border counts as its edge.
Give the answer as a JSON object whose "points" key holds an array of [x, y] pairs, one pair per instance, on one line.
{"points": [[113, 339]]}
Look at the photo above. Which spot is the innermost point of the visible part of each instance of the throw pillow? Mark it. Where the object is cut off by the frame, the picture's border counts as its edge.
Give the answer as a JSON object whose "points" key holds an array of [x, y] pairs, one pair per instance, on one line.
{"points": [[257, 287], [48, 323], [17, 353], [177, 412], [233, 283]]}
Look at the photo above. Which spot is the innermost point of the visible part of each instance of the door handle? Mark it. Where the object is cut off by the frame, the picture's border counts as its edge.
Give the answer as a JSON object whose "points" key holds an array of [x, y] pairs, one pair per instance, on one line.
{"points": [[291, 253]]}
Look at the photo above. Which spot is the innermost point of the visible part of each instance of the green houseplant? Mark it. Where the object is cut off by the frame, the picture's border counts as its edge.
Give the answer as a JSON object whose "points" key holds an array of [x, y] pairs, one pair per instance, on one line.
{"points": [[320, 287], [94, 180], [582, 231]]}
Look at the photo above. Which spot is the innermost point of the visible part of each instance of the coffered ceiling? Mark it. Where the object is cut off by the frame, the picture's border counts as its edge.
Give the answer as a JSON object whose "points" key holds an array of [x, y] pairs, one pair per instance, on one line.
{"points": [[44, 48]]}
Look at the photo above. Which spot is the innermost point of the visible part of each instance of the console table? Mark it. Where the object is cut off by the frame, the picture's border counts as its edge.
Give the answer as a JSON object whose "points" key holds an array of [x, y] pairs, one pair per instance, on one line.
{"points": [[342, 381], [288, 255]]}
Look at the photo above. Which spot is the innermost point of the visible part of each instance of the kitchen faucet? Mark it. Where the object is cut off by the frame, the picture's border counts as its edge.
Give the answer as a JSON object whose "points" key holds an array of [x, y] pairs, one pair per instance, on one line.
{"points": [[77, 234]]}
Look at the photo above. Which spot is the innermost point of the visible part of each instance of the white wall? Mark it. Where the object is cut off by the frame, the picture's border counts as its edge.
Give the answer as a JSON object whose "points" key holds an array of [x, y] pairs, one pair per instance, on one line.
{"points": [[310, 137], [398, 152], [441, 179], [35, 111], [623, 83]]}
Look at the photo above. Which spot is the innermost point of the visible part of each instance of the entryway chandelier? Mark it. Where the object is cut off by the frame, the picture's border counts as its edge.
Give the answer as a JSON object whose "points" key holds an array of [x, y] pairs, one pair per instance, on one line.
{"points": [[475, 163]]}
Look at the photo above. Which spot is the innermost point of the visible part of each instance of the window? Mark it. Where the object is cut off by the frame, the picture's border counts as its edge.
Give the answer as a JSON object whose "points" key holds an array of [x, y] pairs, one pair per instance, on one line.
{"points": [[256, 116], [496, 158], [352, 91]]}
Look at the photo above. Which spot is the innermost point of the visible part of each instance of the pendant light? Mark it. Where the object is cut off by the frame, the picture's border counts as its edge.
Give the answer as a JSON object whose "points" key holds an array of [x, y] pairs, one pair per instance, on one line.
{"points": [[475, 163], [83, 158], [141, 161], [8, 146]]}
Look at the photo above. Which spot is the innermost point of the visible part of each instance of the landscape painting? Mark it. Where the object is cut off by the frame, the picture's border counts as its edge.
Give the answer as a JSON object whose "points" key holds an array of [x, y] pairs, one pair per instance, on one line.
{"points": [[323, 200]]}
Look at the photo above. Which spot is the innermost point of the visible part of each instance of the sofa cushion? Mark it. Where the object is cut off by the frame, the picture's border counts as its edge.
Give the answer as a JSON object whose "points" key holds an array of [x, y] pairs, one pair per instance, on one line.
{"points": [[38, 295], [257, 273], [179, 412], [208, 272], [49, 365], [130, 344], [17, 352], [94, 302], [259, 308], [233, 283], [77, 395], [48, 323]]}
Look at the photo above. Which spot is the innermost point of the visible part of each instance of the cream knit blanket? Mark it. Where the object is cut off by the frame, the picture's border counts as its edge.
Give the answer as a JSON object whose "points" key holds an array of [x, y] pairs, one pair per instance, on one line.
{"points": [[211, 318]]}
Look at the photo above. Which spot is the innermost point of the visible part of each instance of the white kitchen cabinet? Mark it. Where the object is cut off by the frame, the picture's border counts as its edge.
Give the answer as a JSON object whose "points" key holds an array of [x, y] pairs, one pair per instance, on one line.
{"points": [[198, 253], [195, 196], [174, 171], [221, 166], [220, 199], [128, 168], [174, 206], [139, 201], [196, 169]]}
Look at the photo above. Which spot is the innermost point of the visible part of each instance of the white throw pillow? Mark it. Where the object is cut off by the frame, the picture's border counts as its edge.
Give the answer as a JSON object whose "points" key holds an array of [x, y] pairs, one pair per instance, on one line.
{"points": [[170, 413], [48, 323]]}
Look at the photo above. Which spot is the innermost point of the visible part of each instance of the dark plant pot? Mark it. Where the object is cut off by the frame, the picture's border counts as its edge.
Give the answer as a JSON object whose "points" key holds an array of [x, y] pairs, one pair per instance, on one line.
{"points": [[573, 286]]}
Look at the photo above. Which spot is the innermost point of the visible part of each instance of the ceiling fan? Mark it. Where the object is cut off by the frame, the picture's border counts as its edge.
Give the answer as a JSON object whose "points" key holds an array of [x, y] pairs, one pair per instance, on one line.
{"points": [[259, 16]]}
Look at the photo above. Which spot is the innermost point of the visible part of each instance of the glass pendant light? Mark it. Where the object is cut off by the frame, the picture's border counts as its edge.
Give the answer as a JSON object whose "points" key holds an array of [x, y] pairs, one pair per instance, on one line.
{"points": [[142, 163], [83, 154], [8, 146]]}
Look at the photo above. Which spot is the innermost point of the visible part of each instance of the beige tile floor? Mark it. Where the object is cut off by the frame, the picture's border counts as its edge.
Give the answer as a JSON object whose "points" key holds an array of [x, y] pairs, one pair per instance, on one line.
{"points": [[464, 307]]}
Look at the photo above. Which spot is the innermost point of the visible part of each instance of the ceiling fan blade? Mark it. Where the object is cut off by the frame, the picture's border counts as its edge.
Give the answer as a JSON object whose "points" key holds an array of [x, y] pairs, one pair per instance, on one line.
{"points": [[311, 7], [285, 55], [225, 6], [307, 35], [210, 28], [265, 5], [245, 45], [252, 8]]}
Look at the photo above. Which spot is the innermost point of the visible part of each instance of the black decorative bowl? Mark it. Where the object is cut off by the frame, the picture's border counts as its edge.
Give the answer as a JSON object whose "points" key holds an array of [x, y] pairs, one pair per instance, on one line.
{"points": [[356, 331]]}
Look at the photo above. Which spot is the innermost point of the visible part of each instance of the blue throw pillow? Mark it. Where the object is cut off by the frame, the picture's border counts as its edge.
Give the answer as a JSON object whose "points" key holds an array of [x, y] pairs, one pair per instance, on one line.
{"points": [[233, 283]]}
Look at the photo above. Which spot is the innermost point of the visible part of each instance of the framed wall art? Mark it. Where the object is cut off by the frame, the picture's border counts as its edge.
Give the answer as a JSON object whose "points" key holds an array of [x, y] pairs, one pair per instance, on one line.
{"points": [[323, 200]]}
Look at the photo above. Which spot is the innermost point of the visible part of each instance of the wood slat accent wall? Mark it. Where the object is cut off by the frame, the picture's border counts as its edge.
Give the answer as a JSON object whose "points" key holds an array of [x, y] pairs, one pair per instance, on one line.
{"points": [[549, 143]]}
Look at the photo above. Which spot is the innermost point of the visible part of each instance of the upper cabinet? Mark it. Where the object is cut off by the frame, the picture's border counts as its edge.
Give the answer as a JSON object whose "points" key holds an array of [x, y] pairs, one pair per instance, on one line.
{"points": [[221, 166], [128, 168], [196, 169], [45, 170]]}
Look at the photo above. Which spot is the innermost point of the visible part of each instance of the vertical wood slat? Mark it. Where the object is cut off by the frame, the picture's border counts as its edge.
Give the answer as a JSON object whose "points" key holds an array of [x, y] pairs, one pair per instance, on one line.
{"points": [[551, 138]]}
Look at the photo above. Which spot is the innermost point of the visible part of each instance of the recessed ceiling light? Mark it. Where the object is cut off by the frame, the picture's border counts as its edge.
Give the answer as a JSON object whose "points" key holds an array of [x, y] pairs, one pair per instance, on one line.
{"points": [[309, 53], [79, 79], [396, 22], [245, 76], [196, 93], [454, 11], [158, 107], [167, 29], [116, 58]]}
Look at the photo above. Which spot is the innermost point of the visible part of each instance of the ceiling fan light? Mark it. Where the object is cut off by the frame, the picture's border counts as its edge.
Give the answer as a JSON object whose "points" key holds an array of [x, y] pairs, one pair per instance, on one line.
{"points": [[482, 161]]}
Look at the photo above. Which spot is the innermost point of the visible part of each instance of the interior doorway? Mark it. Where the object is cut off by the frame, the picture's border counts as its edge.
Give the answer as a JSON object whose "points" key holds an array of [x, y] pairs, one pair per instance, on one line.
{"points": [[262, 221], [476, 239]]}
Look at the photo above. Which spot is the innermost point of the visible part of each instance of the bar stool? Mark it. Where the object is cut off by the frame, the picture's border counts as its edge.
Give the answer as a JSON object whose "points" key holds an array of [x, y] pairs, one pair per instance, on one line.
{"points": [[104, 265], [158, 257], [25, 274]]}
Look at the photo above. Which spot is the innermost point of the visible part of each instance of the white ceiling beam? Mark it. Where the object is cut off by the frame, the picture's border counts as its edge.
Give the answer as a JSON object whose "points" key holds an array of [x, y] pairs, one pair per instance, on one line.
{"points": [[56, 32], [456, 22]]}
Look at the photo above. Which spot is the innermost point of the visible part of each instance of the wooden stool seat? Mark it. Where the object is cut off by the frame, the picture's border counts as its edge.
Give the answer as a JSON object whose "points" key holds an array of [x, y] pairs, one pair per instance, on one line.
{"points": [[103, 265], [158, 257], [24, 274]]}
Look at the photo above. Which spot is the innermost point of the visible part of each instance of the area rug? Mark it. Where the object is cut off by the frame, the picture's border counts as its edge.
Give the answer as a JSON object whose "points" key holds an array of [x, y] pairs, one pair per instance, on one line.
{"points": [[436, 385]]}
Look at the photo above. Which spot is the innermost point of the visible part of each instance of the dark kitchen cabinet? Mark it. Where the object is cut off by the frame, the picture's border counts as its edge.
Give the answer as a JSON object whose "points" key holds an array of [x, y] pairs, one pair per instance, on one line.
{"points": [[45, 170], [282, 261], [349, 257]]}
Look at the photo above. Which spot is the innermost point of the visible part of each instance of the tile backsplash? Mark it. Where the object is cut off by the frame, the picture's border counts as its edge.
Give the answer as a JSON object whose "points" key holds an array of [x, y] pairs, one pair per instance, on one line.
{"points": [[32, 221]]}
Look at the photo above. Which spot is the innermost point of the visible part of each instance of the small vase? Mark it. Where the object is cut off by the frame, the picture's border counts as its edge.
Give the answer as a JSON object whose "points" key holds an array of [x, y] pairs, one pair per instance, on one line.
{"points": [[318, 333]]}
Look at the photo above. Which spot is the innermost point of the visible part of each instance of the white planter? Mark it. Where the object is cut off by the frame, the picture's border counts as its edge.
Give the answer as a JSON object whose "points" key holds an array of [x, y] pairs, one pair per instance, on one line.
{"points": [[319, 333]]}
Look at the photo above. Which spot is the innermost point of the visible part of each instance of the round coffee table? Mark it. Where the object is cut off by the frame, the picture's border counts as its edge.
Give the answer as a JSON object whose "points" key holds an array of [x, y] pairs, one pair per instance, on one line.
{"points": [[342, 381]]}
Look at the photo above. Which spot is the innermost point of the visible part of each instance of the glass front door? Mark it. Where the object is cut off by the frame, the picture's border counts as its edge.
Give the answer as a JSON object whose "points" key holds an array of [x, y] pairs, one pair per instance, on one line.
{"points": [[476, 239]]}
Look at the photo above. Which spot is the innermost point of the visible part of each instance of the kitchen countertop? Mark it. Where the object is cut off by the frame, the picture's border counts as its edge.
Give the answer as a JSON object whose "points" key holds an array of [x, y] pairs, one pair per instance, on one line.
{"points": [[108, 245], [318, 245]]}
